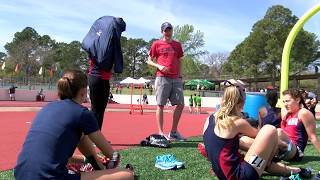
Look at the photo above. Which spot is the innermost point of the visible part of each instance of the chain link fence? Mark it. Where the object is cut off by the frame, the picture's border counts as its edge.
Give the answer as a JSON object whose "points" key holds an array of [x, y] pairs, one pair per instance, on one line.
{"points": [[31, 83]]}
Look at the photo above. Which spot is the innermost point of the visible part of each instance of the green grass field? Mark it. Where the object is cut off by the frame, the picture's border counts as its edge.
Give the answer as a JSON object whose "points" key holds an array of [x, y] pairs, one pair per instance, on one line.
{"points": [[197, 167]]}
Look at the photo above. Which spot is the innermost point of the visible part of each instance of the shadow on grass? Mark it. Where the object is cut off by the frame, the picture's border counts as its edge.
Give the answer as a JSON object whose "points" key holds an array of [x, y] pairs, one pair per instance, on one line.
{"points": [[194, 141], [130, 145], [186, 144], [308, 158]]}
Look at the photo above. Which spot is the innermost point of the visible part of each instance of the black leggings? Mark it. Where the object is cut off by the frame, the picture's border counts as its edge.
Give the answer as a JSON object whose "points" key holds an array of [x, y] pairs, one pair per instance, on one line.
{"points": [[99, 96]]}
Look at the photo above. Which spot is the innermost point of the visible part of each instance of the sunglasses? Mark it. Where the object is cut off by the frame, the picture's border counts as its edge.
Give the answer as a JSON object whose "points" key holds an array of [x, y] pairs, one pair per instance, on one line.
{"points": [[168, 30], [228, 83], [240, 88]]}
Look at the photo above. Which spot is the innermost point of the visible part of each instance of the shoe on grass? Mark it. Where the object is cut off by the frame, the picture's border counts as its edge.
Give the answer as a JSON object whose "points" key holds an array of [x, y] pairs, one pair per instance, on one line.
{"points": [[176, 136]]}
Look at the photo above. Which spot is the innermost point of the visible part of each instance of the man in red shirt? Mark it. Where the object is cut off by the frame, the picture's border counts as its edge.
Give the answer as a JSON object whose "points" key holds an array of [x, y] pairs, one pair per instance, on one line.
{"points": [[165, 54]]}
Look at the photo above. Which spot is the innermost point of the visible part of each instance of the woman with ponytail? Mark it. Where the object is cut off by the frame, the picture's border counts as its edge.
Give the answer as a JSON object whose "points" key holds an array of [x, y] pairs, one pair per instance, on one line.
{"points": [[297, 126], [58, 129], [221, 139]]}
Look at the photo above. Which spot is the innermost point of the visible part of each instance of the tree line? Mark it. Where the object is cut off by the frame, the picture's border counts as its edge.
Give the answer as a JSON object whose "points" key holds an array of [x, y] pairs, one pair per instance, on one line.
{"points": [[258, 54]]}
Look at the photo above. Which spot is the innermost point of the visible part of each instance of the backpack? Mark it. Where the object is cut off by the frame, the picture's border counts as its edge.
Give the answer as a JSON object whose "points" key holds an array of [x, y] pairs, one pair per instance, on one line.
{"points": [[155, 140]]}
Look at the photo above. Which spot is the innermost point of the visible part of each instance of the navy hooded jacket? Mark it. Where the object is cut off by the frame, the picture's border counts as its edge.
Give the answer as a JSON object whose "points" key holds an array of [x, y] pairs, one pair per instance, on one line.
{"points": [[102, 43]]}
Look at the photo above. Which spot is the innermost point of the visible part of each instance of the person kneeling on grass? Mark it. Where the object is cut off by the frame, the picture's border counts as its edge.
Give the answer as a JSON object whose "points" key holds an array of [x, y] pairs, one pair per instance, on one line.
{"points": [[58, 129], [221, 139]]}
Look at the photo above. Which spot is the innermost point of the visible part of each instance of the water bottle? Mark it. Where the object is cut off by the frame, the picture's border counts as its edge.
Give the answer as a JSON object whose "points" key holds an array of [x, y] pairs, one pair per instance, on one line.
{"points": [[301, 154], [114, 161]]}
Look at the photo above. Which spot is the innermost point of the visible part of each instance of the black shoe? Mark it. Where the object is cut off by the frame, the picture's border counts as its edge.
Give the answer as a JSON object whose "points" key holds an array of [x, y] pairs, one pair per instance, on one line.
{"points": [[305, 173], [316, 177], [276, 159], [129, 167], [145, 143]]}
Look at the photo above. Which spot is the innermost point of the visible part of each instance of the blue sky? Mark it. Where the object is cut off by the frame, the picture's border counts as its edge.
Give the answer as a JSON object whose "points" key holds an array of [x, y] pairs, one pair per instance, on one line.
{"points": [[225, 23]]}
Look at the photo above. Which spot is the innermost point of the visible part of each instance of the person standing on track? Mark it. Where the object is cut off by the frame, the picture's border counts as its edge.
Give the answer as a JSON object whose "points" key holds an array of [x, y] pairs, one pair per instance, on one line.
{"points": [[102, 44], [191, 104], [12, 92], [198, 100], [168, 53]]}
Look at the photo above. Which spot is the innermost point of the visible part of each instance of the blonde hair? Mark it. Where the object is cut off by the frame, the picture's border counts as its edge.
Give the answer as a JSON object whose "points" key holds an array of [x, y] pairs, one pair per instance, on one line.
{"points": [[71, 82], [232, 98]]}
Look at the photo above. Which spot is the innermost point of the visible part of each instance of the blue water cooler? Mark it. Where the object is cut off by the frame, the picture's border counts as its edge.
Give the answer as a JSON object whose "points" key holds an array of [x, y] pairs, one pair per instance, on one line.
{"points": [[254, 101]]}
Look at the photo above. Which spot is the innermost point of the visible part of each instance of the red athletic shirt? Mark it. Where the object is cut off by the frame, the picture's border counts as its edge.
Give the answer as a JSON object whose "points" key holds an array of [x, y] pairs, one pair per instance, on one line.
{"points": [[94, 70], [295, 129], [169, 55]]}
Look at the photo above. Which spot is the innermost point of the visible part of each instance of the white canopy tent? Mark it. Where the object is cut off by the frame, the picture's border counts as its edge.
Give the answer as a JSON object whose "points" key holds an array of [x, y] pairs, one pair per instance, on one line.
{"points": [[133, 82], [143, 80], [129, 80]]}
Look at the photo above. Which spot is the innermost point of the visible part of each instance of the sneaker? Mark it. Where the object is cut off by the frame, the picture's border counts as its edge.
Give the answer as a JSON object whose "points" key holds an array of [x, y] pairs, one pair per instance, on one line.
{"points": [[173, 159], [163, 163], [202, 150], [176, 136], [292, 177], [166, 162], [158, 141], [165, 136], [305, 173], [86, 168], [316, 177], [130, 167]]}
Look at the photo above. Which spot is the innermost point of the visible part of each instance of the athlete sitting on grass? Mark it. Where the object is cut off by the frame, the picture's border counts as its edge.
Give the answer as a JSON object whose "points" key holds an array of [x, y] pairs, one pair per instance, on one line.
{"points": [[58, 129], [270, 114], [297, 126], [221, 139]]}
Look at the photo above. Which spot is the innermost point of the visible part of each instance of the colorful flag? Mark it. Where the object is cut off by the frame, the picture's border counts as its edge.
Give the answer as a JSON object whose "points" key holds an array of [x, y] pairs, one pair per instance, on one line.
{"points": [[40, 71], [3, 65], [17, 68]]}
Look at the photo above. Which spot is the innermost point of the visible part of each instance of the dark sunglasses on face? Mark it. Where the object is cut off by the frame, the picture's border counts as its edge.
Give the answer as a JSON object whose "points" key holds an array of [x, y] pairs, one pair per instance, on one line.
{"points": [[168, 30]]}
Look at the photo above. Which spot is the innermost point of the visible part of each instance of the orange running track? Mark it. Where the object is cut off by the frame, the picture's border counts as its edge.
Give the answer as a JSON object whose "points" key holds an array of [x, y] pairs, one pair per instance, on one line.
{"points": [[121, 128]]}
